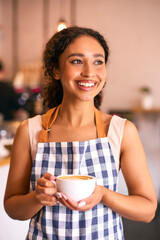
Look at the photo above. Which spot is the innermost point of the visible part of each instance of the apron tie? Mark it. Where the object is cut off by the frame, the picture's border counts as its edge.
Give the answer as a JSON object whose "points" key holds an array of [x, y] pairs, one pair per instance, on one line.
{"points": [[47, 122]]}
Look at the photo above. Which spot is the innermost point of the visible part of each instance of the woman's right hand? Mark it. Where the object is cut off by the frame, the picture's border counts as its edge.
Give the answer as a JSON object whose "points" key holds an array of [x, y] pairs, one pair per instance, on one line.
{"points": [[19, 202], [46, 191]]}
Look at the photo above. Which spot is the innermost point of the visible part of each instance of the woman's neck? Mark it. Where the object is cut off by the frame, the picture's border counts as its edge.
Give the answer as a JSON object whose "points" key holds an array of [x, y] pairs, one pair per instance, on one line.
{"points": [[76, 115]]}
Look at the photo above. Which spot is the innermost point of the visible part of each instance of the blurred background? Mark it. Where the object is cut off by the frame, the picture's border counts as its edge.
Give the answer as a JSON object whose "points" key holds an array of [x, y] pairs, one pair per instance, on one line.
{"points": [[132, 30]]}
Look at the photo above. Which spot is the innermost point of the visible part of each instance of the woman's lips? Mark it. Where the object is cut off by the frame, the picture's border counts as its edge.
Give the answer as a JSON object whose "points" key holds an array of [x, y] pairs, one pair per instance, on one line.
{"points": [[85, 85]]}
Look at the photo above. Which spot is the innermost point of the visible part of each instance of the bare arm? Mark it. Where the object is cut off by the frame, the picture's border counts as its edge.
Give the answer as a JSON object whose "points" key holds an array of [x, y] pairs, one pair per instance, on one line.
{"points": [[141, 203], [18, 202]]}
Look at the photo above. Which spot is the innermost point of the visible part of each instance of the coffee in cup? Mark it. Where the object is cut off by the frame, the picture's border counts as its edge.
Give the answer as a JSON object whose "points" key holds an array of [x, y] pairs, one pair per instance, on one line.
{"points": [[75, 177], [77, 187]]}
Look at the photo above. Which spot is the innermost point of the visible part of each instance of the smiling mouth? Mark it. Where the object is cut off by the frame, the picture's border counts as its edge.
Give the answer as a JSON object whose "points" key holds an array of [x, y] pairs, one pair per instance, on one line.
{"points": [[85, 84]]}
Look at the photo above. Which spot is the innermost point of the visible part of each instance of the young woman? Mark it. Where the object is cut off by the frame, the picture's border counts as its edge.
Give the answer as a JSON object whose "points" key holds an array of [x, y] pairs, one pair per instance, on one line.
{"points": [[74, 137]]}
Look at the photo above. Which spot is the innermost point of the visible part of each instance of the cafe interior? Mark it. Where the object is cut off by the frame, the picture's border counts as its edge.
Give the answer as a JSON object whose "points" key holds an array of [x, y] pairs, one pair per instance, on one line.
{"points": [[132, 31]]}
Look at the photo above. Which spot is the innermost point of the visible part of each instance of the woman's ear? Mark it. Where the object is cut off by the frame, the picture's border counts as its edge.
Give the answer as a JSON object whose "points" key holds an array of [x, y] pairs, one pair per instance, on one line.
{"points": [[56, 73]]}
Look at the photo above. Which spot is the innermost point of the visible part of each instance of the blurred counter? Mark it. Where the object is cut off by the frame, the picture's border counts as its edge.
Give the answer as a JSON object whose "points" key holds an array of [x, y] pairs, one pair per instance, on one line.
{"points": [[4, 161], [7, 132]]}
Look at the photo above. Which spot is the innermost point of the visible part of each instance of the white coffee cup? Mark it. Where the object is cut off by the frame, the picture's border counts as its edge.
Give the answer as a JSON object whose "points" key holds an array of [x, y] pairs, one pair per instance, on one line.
{"points": [[77, 187]]}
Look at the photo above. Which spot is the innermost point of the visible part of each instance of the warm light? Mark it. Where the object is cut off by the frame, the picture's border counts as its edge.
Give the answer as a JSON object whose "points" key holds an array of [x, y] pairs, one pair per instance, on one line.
{"points": [[61, 25]]}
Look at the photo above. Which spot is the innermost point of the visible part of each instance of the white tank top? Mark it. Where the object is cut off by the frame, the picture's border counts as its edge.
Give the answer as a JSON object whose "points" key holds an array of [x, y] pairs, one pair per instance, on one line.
{"points": [[115, 135]]}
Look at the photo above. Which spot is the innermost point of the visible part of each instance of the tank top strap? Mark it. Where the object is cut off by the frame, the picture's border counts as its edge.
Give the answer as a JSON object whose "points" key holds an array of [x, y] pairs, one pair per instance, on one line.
{"points": [[34, 127], [115, 135]]}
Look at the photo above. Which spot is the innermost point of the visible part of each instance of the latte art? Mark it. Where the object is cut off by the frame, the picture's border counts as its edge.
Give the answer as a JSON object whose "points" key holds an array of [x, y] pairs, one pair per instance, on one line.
{"points": [[78, 177]]}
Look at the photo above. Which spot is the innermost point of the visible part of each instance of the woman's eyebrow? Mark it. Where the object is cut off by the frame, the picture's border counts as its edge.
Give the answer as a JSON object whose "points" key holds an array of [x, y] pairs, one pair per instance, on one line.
{"points": [[99, 55], [82, 55], [76, 54]]}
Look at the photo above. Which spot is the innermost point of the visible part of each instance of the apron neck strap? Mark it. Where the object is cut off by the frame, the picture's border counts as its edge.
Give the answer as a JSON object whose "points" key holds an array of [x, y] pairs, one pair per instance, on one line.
{"points": [[49, 118], [101, 132], [47, 122]]}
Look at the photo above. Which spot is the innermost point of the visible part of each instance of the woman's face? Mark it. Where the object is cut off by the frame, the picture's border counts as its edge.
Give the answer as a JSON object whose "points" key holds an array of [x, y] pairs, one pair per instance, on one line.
{"points": [[82, 69]]}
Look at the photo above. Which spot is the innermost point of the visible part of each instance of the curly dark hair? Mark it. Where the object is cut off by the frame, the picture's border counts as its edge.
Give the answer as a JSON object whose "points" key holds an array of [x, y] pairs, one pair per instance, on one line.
{"points": [[1, 66], [52, 91]]}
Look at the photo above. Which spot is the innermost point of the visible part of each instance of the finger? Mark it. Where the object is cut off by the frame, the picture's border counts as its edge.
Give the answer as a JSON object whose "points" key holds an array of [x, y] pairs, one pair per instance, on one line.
{"points": [[72, 203], [45, 182], [91, 201], [47, 176], [46, 190], [52, 178], [47, 200], [63, 199], [81, 204]]}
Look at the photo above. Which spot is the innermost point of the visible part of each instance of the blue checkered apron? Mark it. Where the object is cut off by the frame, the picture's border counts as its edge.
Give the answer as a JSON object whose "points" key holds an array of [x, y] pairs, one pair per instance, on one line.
{"points": [[93, 157]]}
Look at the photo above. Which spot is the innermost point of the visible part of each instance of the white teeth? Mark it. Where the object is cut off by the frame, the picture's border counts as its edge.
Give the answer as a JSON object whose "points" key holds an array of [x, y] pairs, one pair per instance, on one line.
{"points": [[86, 84]]}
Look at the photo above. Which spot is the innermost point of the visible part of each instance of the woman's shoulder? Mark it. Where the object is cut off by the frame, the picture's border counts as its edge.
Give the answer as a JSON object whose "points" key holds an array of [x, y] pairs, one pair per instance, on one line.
{"points": [[23, 126], [106, 118], [130, 129], [27, 123], [21, 137], [119, 124], [130, 135], [114, 119], [35, 121]]}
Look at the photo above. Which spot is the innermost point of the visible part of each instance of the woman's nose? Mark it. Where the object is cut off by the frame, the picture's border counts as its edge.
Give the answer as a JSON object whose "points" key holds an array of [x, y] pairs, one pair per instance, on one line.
{"points": [[87, 71]]}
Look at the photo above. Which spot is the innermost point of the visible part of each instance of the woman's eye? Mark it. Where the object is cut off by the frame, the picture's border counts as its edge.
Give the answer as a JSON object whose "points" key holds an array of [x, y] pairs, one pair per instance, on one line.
{"points": [[76, 61], [98, 62]]}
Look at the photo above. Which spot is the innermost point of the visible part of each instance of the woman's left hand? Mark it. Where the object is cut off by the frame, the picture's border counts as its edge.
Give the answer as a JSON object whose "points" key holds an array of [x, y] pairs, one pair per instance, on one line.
{"points": [[84, 204]]}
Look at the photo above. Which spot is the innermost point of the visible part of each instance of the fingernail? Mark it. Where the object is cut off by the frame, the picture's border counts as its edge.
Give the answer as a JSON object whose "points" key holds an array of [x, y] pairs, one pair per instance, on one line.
{"points": [[65, 197], [52, 178], [59, 195], [81, 204]]}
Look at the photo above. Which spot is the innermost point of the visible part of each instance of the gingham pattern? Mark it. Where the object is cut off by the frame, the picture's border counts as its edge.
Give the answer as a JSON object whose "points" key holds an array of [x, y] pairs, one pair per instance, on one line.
{"points": [[93, 157]]}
